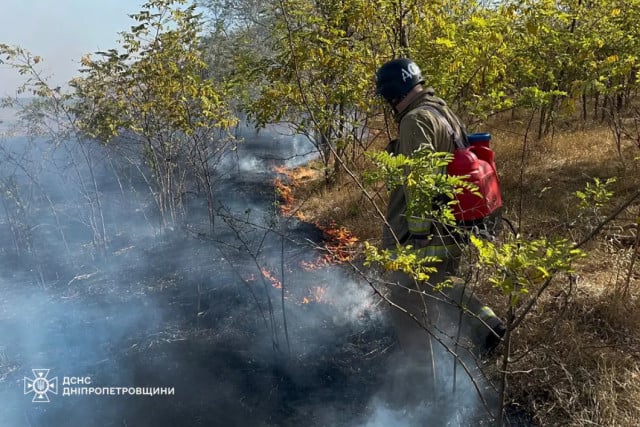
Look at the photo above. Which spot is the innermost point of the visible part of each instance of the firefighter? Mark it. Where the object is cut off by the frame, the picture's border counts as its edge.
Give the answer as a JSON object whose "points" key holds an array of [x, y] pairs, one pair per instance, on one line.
{"points": [[425, 120]]}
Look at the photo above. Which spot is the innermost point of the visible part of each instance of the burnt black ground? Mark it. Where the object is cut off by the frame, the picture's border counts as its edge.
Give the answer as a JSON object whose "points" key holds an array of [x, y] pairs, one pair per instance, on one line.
{"points": [[185, 311], [216, 363], [190, 311]]}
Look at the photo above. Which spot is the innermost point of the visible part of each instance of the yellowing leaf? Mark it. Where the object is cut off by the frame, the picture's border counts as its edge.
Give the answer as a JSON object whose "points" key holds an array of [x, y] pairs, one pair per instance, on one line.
{"points": [[479, 21], [454, 66], [445, 42]]}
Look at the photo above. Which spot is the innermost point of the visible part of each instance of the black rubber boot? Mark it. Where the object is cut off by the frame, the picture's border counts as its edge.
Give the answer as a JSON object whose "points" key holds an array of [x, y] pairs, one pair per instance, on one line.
{"points": [[489, 334], [493, 339]]}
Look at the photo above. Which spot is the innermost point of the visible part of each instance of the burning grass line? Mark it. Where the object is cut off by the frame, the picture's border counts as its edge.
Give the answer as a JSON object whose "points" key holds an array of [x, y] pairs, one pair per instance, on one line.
{"points": [[284, 184], [340, 239], [277, 284], [341, 242], [319, 263], [286, 195]]}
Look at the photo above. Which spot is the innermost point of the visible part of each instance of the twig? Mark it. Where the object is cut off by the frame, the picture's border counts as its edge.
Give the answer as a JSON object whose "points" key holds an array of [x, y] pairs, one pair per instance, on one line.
{"points": [[459, 331], [505, 364], [531, 303], [634, 256], [608, 219], [254, 258], [237, 273], [284, 311], [522, 165]]}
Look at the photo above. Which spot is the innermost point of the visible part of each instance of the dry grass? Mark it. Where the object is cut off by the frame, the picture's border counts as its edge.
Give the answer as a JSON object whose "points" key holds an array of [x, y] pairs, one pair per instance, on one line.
{"points": [[341, 203], [578, 355], [579, 352], [578, 360]]}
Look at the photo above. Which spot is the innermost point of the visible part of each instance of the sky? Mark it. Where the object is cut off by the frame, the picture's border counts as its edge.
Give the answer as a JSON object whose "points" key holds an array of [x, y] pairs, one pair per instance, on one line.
{"points": [[61, 32]]}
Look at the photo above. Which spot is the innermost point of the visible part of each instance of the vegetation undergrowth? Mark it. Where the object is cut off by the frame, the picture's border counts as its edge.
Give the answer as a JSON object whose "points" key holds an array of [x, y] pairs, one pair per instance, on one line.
{"points": [[576, 361]]}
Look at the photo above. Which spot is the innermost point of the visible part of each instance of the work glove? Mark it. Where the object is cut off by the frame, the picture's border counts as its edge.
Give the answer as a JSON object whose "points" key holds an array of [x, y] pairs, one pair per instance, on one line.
{"points": [[392, 147]]}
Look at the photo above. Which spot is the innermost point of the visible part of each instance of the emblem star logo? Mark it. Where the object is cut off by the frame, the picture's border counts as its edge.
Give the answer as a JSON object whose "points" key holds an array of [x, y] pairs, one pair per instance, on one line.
{"points": [[40, 385]]}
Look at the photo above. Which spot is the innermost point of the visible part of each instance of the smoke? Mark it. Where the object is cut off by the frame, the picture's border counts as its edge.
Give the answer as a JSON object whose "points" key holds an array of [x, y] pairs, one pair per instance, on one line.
{"points": [[412, 397], [197, 312]]}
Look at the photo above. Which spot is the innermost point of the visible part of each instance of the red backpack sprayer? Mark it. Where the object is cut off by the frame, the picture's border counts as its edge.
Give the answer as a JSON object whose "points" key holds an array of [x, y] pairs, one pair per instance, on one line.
{"points": [[476, 162]]}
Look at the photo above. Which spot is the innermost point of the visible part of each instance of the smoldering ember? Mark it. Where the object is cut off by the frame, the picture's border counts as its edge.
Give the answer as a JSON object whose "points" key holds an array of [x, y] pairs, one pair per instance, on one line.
{"points": [[246, 326]]}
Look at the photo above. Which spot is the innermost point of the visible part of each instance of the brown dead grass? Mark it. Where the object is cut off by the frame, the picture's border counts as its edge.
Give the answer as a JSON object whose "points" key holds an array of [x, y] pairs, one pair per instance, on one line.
{"points": [[555, 168], [578, 361], [577, 358]]}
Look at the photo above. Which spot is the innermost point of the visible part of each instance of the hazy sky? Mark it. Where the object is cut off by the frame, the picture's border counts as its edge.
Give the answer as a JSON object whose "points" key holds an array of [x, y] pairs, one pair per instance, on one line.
{"points": [[61, 31]]}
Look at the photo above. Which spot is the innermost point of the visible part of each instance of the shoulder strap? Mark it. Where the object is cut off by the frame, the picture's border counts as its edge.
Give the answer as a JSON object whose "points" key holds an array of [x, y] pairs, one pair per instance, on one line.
{"points": [[458, 135]]}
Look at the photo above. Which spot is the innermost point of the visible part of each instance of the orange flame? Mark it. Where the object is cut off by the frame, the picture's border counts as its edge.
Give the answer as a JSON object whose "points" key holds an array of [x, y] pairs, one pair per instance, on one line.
{"points": [[285, 183], [282, 170], [316, 294], [340, 243], [315, 265], [271, 278], [286, 196]]}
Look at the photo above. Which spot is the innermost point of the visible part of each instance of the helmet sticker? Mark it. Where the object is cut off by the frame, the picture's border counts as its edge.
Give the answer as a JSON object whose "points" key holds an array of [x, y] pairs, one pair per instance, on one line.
{"points": [[411, 70]]}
